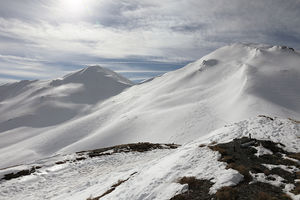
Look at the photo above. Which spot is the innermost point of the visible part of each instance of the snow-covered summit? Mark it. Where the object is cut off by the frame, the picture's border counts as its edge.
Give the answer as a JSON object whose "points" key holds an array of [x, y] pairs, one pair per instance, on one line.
{"points": [[97, 84], [233, 83], [93, 75], [29, 105]]}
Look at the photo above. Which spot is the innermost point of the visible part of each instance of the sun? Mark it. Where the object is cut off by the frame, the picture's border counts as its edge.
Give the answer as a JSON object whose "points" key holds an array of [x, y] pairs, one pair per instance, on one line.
{"points": [[74, 7]]}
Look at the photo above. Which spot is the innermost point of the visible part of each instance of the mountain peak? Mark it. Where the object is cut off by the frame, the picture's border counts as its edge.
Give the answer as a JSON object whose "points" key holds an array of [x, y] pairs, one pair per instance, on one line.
{"points": [[40, 104], [95, 69], [95, 73]]}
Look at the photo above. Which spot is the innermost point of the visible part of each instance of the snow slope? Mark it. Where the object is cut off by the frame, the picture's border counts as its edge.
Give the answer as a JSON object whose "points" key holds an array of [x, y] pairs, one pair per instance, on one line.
{"points": [[232, 83], [30, 107], [151, 175], [46, 103]]}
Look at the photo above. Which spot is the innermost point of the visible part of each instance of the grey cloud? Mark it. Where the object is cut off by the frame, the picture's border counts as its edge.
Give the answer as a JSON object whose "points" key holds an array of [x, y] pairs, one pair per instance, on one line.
{"points": [[189, 28], [120, 14], [29, 10]]}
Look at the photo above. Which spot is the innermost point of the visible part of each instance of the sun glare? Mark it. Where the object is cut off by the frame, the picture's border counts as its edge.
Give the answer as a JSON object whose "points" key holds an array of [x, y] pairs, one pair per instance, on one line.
{"points": [[75, 7]]}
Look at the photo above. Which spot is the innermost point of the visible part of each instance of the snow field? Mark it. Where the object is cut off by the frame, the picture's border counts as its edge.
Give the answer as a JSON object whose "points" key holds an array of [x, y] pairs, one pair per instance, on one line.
{"points": [[157, 171]]}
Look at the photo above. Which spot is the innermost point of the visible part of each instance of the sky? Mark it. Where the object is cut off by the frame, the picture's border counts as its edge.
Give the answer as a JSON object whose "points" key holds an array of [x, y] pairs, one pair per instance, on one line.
{"points": [[138, 38]]}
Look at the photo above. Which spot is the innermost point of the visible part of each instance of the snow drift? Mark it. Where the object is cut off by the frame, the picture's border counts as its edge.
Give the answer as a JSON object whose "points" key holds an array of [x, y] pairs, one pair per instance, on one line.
{"points": [[232, 83]]}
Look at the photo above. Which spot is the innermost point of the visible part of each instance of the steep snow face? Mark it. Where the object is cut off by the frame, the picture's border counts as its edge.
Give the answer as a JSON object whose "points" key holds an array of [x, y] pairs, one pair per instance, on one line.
{"points": [[232, 83]]}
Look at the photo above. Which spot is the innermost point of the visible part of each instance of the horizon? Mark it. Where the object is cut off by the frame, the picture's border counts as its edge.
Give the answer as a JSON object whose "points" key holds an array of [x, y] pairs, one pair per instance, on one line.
{"points": [[138, 39]]}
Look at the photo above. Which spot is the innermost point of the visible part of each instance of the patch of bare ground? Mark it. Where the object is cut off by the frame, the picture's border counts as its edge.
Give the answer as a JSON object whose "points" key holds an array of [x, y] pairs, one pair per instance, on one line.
{"points": [[197, 189], [111, 189], [21, 173], [134, 147], [240, 155], [265, 116], [294, 120]]}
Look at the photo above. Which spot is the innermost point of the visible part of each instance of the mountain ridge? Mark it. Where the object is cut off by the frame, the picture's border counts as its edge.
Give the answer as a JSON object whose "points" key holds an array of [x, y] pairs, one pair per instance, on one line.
{"points": [[232, 83]]}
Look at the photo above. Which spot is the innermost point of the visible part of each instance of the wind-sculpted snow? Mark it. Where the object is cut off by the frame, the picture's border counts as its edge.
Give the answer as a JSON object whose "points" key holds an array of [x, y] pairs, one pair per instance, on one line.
{"points": [[232, 83]]}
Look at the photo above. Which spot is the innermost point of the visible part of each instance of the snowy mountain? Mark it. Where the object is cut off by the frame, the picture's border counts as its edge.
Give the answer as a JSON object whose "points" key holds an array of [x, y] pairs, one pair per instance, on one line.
{"points": [[46, 103], [30, 107], [206, 168], [232, 83]]}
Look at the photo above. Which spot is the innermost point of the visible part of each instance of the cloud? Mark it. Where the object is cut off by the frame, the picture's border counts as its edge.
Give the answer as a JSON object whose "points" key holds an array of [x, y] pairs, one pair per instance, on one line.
{"points": [[45, 38]]}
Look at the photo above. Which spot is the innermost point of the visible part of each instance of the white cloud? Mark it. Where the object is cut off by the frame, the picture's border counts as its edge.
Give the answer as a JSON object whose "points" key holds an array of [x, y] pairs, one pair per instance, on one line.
{"points": [[44, 34]]}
